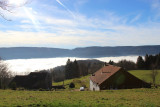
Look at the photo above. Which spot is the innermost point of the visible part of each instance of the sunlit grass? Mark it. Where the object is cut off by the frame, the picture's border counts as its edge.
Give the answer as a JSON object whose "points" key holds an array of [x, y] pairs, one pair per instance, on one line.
{"points": [[132, 98], [145, 75], [79, 82]]}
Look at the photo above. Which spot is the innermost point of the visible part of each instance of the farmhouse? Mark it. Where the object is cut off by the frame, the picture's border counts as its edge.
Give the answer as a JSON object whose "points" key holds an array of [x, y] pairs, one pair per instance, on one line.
{"points": [[113, 77], [34, 80]]}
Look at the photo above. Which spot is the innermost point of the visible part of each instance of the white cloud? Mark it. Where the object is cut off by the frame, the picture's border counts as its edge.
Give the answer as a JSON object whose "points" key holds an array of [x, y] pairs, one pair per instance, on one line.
{"points": [[156, 4], [136, 18], [123, 35], [26, 21], [156, 8], [56, 21]]}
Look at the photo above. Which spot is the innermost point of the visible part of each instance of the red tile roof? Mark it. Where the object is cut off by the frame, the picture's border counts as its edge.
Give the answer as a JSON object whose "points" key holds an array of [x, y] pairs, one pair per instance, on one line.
{"points": [[104, 73]]}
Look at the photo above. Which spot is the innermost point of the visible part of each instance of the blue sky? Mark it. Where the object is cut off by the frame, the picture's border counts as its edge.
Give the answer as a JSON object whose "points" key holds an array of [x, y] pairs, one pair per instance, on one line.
{"points": [[81, 23]]}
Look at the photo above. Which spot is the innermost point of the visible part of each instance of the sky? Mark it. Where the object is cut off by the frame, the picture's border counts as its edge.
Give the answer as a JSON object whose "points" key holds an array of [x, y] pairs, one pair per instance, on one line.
{"points": [[80, 23]]}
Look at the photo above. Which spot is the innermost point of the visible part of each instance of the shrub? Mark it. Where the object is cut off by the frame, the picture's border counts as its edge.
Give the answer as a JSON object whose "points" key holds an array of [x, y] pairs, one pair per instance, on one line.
{"points": [[71, 85], [13, 86]]}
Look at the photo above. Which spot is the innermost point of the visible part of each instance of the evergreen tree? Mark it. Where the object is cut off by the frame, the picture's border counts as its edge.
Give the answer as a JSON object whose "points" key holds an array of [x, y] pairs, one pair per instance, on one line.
{"points": [[140, 63], [147, 62], [158, 61], [72, 69], [111, 62], [68, 69], [75, 69]]}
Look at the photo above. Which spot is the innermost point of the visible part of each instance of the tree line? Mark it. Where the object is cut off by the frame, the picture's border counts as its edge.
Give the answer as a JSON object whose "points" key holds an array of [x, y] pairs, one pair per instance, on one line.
{"points": [[75, 69], [147, 62]]}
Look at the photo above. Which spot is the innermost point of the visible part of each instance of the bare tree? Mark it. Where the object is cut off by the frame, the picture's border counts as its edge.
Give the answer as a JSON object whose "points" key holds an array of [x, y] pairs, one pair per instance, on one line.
{"points": [[153, 76], [5, 5], [5, 75]]}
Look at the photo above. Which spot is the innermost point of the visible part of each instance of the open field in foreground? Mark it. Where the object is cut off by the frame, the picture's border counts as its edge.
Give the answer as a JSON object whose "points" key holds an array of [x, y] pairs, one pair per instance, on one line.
{"points": [[120, 98]]}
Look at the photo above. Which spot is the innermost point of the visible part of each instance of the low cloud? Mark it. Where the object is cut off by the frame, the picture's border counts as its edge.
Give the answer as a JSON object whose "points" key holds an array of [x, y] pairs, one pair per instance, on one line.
{"points": [[124, 35]]}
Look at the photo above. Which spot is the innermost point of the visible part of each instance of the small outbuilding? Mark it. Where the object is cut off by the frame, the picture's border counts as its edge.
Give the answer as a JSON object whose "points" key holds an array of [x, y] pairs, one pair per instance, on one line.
{"points": [[113, 77], [35, 80]]}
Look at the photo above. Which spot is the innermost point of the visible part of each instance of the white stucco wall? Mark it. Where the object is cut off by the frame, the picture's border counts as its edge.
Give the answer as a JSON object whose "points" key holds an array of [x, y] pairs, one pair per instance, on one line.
{"points": [[94, 86]]}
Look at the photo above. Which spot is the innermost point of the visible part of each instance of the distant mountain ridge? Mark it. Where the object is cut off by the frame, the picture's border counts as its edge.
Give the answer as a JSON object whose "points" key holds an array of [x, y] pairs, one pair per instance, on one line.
{"points": [[86, 52]]}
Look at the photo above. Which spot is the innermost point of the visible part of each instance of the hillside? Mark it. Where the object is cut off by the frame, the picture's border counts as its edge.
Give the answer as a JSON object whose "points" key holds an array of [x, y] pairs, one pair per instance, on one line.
{"points": [[85, 67], [86, 52], [79, 82], [145, 75], [84, 81]]}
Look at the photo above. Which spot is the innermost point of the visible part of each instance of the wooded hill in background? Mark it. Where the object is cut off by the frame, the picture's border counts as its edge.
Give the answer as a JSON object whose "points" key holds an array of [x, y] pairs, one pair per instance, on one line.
{"points": [[86, 52], [74, 69]]}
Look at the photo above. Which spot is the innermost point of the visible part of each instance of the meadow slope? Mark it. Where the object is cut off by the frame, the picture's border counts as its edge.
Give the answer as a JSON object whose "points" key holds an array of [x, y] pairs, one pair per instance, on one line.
{"points": [[145, 75]]}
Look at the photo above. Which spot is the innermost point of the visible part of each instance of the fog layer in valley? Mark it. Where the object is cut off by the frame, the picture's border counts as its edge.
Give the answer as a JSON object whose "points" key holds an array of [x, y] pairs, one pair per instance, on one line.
{"points": [[24, 66]]}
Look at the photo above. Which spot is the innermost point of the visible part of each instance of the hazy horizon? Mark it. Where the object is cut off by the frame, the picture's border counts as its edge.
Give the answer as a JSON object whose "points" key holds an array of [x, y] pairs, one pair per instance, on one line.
{"points": [[75, 47]]}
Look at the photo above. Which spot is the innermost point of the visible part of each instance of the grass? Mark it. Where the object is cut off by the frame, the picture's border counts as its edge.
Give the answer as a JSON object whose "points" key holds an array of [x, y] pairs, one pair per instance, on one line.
{"points": [[79, 82], [144, 75], [119, 98]]}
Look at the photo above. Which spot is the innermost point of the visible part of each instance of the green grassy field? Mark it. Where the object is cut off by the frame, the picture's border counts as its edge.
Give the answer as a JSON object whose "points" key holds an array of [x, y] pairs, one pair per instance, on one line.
{"points": [[144, 75], [72, 98], [118, 98], [83, 81]]}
